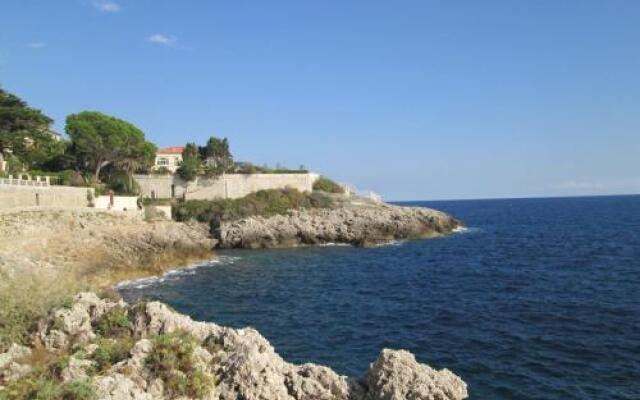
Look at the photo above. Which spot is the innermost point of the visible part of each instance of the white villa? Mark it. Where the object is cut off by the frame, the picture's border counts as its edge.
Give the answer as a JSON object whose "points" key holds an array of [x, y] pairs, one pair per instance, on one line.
{"points": [[169, 158]]}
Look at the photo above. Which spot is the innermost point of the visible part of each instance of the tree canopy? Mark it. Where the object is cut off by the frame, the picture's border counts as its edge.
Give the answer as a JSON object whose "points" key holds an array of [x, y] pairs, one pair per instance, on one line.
{"points": [[99, 140], [25, 132], [217, 153]]}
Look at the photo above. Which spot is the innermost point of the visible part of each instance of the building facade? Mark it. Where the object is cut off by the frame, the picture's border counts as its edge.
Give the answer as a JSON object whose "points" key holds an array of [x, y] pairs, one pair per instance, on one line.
{"points": [[169, 158]]}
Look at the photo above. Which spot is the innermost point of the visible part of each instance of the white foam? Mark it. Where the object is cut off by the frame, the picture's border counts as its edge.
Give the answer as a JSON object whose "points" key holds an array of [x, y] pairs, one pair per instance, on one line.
{"points": [[174, 274], [332, 244]]}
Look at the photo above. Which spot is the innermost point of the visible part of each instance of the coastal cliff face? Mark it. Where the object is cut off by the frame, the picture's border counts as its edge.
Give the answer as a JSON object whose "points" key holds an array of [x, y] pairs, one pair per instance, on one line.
{"points": [[356, 221], [167, 355]]}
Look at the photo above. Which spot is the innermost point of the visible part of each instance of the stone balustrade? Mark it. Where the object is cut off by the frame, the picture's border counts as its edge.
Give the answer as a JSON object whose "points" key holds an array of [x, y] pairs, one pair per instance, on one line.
{"points": [[19, 180]]}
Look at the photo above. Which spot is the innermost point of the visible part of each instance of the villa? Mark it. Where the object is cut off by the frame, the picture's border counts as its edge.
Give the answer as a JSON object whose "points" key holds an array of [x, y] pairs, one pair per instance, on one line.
{"points": [[169, 158]]}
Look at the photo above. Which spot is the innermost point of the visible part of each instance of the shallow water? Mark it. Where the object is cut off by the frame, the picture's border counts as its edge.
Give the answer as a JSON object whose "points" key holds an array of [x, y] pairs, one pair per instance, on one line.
{"points": [[538, 299]]}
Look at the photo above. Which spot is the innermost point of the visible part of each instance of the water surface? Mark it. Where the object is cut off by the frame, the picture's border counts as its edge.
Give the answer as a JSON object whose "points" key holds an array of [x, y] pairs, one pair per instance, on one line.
{"points": [[539, 299]]}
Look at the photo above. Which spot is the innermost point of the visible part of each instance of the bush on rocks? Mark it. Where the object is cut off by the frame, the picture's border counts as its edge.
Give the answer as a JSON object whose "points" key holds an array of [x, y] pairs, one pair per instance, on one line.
{"points": [[111, 351], [327, 185], [115, 322], [172, 361]]}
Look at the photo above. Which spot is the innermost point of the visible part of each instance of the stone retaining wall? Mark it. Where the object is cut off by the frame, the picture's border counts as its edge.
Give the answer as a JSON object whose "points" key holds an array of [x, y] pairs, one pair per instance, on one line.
{"points": [[53, 196], [228, 186]]}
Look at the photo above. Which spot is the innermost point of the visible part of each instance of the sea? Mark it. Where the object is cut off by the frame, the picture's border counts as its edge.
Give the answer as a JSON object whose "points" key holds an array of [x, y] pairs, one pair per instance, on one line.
{"points": [[533, 299]]}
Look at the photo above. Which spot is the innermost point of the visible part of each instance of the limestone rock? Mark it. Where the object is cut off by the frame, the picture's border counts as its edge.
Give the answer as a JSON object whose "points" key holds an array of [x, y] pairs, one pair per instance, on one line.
{"points": [[241, 362], [119, 387], [357, 222], [12, 366], [77, 369], [396, 375]]}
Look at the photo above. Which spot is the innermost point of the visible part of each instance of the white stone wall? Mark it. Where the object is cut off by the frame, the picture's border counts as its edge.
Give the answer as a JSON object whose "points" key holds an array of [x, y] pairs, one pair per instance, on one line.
{"points": [[229, 186], [120, 203], [12, 196]]}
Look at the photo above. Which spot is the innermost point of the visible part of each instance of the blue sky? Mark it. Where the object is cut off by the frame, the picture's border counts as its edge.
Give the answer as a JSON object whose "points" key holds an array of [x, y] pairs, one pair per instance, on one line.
{"points": [[412, 99]]}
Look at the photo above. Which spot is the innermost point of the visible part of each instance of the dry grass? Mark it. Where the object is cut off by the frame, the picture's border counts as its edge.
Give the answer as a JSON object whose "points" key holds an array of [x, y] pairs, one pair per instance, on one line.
{"points": [[27, 297]]}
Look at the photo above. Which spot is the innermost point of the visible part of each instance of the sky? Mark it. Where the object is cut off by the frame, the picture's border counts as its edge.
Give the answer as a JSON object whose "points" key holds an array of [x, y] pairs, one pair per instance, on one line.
{"points": [[411, 99]]}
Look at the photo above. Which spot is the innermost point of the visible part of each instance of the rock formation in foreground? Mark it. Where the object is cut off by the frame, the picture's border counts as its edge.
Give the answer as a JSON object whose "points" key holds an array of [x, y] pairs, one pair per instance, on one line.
{"points": [[354, 221], [114, 351]]}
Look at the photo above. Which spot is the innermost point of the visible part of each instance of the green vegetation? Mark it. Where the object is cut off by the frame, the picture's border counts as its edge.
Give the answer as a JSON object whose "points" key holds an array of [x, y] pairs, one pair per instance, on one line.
{"points": [[44, 382], [114, 322], [172, 361], [261, 203], [25, 132], [211, 160], [99, 140], [110, 351], [327, 185], [191, 164], [102, 148]]}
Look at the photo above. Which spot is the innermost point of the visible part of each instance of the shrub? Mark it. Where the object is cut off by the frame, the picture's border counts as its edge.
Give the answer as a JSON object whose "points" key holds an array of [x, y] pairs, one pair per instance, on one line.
{"points": [[77, 390], [45, 383], [111, 351], [261, 203], [172, 361], [327, 185], [114, 322]]}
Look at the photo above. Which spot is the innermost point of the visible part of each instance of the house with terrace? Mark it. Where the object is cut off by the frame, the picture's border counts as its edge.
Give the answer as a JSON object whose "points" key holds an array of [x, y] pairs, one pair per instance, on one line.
{"points": [[169, 158]]}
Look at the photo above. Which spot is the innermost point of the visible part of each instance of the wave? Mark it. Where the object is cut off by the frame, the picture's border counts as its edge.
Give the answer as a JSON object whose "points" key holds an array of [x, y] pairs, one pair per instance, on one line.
{"points": [[174, 274], [465, 229]]}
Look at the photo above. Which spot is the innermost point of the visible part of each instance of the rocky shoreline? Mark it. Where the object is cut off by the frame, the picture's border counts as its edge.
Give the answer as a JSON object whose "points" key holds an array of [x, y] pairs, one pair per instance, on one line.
{"points": [[169, 356], [355, 221], [115, 351]]}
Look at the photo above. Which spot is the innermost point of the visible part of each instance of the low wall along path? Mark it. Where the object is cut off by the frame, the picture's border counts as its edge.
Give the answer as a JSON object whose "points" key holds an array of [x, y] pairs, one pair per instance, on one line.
{"points": [[16, 193]]}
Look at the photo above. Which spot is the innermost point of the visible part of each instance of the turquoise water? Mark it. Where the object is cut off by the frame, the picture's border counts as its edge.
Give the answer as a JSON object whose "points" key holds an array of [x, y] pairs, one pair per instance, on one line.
{"points": [[538, 299]]}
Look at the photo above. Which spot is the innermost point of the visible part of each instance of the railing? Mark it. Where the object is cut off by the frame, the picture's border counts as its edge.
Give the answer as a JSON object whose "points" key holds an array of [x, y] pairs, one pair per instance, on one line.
{"points": [[39, 181]]}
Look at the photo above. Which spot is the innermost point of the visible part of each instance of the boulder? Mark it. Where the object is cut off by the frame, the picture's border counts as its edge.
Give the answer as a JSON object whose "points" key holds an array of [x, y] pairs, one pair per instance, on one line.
{"points": [[396, 375]]}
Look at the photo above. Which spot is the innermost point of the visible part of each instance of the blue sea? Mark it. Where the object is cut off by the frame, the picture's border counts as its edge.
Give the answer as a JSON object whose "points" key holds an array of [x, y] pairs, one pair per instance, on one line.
{"points": [[537, 299]]}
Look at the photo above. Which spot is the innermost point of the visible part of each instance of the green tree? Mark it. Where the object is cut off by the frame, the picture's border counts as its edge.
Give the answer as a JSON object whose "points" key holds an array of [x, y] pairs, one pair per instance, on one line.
{"points": [[217, 154], [25, 131], [189, 168], [191, 164], [99, 140], [190, 151], [141, 162]]}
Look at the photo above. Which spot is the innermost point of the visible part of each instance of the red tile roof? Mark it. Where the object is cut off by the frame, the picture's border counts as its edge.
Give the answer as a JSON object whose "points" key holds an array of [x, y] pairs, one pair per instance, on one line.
{"points": [[171, 150]]}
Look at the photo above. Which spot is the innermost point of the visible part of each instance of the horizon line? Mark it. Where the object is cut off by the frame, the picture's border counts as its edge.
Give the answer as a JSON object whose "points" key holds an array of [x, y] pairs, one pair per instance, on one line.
{"points": [[518, 198]]}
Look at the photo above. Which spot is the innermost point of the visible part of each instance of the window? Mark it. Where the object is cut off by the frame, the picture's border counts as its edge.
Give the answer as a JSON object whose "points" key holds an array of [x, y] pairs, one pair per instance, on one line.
{"points": [[162, 162]]}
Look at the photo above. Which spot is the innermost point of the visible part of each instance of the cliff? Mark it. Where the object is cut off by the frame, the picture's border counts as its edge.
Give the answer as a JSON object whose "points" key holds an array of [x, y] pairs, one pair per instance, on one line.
{"points": [[354, 221], [166, 355]]}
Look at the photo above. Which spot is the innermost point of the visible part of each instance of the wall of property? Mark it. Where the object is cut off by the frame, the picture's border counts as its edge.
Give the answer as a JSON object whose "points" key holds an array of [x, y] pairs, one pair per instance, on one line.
{"points": [[12, 196], [120, 203], [229, 186]]}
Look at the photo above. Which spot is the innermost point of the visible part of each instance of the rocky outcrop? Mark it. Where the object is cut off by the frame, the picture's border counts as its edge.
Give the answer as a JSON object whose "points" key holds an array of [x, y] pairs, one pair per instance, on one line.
{"points": [[355, 221], [12, 363], [216, 362]]}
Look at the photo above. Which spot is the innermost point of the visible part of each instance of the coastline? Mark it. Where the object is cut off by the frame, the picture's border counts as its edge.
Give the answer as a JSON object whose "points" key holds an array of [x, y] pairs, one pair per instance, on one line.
{"points": [[85, 249]]}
